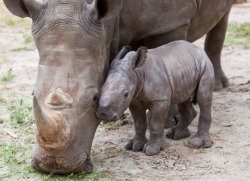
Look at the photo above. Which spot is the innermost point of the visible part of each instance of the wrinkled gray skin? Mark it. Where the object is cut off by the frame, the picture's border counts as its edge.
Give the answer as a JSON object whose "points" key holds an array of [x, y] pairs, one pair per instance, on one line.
{"points": [[170, 74], [77, 39]]}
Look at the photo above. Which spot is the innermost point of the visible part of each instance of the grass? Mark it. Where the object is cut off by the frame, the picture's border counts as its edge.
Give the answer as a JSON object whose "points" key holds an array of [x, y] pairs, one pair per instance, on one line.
{"points": [[9, 76], [10, 21], [22, 49], [8, 153], [10, 156], [28, 38], [136, 161], [238, 34], [20, 112]]}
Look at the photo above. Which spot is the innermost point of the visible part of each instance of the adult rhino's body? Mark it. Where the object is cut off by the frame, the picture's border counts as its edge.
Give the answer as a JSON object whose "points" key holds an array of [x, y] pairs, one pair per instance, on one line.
{"points": [[76, 39]]}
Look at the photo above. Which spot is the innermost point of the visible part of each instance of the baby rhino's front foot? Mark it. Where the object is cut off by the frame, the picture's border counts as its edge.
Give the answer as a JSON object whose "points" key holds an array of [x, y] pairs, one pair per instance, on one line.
{"points": [[136, 144], [154, 148], [175, 133], [200, 141]]}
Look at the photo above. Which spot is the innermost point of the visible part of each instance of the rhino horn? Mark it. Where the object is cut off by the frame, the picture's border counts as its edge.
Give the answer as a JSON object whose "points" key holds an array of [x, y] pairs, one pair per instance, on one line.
{"points": [[52, 129]]}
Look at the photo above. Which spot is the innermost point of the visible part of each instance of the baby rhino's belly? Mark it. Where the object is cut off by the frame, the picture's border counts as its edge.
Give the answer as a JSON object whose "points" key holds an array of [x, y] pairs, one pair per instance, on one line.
{"points": [[183, 88]]}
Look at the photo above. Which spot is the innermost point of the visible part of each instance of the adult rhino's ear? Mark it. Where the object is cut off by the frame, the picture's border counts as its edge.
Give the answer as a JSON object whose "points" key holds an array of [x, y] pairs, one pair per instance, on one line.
{"points": [[104, 9], [140, 56], [25, 8], [121, 54], [17, 7]]}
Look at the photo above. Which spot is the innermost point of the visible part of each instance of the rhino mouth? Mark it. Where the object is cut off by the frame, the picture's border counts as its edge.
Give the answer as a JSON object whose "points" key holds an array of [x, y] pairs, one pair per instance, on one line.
{"points": [[59, 164], [107, 115]]}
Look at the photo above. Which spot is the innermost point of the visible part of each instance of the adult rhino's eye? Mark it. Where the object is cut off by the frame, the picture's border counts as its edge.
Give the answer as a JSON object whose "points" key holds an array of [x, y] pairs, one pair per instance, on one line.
{"points": [[96, 100], [126, 94]]}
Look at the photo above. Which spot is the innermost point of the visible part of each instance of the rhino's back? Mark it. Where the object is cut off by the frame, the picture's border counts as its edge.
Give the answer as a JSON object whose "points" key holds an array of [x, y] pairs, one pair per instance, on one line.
{"points": [[209, 13], [181, 64], [141, 19]]}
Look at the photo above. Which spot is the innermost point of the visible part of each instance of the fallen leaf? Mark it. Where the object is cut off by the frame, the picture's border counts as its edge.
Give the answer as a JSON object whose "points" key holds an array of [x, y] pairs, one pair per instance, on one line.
{"points": [[115, 155], [216, 138], [247, 145], [12, 134], [112, 128], [108, 172]]}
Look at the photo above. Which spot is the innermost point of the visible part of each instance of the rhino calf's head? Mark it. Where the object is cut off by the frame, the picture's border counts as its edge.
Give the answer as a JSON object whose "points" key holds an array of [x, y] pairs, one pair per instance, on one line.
{"points": [[121, 85]]}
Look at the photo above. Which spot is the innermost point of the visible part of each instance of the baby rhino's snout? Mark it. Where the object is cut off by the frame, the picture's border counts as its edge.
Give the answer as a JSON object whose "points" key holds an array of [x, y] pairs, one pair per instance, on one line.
{"points": [[104, 111]]}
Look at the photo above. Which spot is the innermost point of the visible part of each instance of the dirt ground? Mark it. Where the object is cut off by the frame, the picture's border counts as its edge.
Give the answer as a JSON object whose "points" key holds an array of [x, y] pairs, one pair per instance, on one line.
{"points": [[227, 160]]}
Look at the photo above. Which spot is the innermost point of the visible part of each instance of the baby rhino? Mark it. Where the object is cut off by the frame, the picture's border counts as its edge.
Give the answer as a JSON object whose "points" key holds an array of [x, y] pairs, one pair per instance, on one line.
{"points": [[176, 73]]}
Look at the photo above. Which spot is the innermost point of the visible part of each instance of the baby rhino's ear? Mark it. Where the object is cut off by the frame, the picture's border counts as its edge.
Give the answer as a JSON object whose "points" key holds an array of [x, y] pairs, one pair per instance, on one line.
{"points": [[141, 56]]}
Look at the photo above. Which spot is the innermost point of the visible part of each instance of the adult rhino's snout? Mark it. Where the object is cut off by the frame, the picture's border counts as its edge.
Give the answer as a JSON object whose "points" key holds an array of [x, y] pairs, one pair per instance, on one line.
{"points": [[53, 130]]}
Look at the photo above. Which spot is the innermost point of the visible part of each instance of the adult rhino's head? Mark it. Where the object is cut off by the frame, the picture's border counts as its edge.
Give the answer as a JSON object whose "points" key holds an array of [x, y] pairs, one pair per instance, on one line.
{"points": [[73, 38]]}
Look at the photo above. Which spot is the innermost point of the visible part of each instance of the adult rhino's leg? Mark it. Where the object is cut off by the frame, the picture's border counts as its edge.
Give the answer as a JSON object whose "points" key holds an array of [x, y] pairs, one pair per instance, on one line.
{"points": [[140, 124], [187, 113], [172, 119], [213, 47]]}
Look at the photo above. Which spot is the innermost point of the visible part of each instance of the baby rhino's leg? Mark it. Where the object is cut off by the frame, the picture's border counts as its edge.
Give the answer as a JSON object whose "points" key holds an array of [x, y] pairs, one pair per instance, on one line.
{"points": [[140, 124], [204, 100], [187, 113], [157, 142]]}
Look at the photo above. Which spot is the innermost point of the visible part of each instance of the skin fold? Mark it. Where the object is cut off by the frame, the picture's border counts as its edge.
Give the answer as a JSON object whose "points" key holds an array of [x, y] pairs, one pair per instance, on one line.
{"points": [[177, 73]]}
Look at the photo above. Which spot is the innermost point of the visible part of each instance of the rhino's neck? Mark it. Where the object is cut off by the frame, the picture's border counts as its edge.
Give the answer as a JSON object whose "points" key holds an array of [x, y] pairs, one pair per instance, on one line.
{"points": [[140, 78]]}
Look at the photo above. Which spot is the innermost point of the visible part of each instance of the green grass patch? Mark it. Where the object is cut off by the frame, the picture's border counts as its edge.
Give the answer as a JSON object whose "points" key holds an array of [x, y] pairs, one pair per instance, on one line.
{"points": [[9, 76], [8, 153], [28, 38], [22, 49], [238, 34], [10, 21], [20, 112], [136, 161]]}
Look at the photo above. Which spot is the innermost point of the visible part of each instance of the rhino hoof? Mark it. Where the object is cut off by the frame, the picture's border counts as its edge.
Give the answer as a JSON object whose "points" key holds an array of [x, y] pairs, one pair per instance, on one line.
{"points": [[129, 145], [220, 83], [197, 142], [154, 148], [135, 145], [176, 134]]}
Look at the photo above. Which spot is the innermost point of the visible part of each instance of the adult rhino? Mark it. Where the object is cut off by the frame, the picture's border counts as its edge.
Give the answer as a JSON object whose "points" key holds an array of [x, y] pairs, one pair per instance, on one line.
{"points": [[76, 40]]}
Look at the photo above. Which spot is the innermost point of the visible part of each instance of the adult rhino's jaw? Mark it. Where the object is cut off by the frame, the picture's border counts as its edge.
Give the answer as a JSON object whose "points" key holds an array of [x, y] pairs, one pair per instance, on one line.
{"points": [[63, 163]]}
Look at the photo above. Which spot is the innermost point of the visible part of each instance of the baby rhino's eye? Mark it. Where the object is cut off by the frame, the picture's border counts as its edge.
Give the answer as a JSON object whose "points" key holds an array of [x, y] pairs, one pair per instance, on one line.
{"points": [[126, 94]]}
